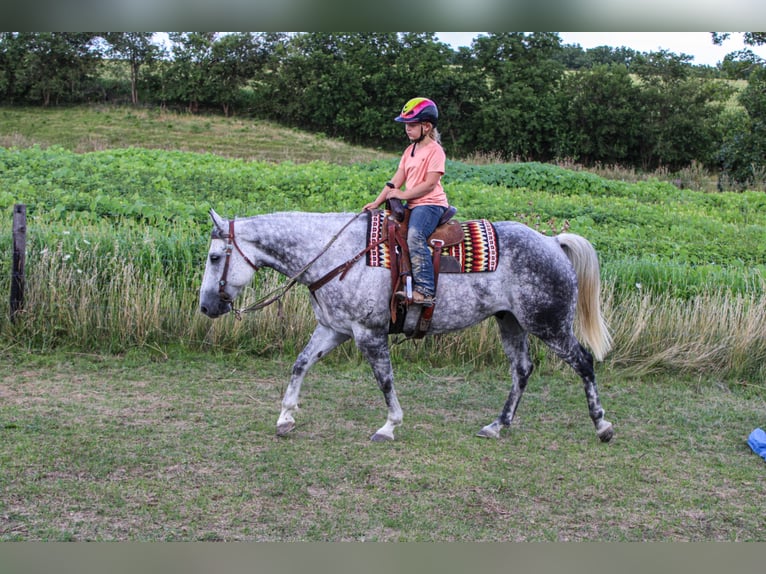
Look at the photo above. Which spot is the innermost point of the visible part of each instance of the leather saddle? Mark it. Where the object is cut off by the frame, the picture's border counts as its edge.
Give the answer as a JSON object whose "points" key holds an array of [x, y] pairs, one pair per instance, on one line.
{"points": [[448, 233], [394, 233]]}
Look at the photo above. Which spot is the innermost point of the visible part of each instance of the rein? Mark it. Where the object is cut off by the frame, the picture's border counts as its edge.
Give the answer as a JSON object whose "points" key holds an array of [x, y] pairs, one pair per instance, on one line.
{"points": [[276, 294]]}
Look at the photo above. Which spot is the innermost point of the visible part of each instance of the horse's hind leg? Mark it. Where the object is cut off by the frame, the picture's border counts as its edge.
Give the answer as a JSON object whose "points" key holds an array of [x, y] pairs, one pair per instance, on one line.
{"points": [[576, 356], [322, 341], [516, 347]]}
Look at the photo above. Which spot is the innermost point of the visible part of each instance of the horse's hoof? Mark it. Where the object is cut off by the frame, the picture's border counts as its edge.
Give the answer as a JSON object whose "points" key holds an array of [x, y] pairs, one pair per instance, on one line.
{"points": [[606, 433], [377, 437], [489, 431], [285, 428]]}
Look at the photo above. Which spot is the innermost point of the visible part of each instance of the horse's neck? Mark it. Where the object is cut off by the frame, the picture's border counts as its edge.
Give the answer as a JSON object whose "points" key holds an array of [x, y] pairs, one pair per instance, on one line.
{"points": [[289, 241]]}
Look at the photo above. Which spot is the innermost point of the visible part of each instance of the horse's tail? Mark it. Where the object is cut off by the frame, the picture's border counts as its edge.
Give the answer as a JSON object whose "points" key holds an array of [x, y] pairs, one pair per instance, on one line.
{"points": [[593, 327]]}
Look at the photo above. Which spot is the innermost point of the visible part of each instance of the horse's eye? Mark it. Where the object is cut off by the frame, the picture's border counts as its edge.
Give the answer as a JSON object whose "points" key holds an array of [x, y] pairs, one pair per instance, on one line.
{"points": [[215, 258]]}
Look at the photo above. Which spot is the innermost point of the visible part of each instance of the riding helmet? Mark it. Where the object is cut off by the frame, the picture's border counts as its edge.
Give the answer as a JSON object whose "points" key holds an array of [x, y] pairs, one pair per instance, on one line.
{"points": [[418, 110]]}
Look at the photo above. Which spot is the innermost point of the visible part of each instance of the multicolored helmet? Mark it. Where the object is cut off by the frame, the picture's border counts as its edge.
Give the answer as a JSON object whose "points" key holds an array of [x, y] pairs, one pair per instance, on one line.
{"points": [[418, 110]]}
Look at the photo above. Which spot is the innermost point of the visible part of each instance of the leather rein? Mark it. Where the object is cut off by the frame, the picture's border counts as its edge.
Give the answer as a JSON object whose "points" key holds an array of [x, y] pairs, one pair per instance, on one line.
{"points": [[277, 294]]}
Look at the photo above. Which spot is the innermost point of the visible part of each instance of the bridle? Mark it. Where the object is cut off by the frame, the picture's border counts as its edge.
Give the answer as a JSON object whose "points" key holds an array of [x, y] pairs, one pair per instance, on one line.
{"points": [[231, 243], [278, 293]]}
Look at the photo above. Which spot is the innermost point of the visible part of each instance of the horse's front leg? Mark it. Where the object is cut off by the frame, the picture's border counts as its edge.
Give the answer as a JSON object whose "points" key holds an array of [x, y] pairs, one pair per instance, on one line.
{"points": [[322, 341], [374, 348]]}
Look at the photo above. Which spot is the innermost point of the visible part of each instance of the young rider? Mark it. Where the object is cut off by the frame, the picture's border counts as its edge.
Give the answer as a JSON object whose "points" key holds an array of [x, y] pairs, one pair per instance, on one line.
{"points": [[418, 182]]}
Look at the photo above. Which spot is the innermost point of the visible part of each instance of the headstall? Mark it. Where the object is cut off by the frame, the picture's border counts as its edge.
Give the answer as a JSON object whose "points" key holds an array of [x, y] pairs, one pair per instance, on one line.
{"points": [[231, 243]]}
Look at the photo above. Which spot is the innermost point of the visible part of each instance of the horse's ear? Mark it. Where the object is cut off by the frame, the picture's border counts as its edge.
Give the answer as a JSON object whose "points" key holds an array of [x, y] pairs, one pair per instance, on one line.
{"points": [[217, 220]]}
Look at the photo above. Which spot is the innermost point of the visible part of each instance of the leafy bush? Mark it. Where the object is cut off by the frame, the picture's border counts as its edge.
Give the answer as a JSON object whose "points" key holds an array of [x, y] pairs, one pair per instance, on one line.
{"points": [[624, 220]]}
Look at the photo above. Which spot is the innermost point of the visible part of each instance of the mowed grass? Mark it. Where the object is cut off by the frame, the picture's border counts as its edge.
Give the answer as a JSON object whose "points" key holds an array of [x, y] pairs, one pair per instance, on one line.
{"points": [[95, 128], [184, 448]]}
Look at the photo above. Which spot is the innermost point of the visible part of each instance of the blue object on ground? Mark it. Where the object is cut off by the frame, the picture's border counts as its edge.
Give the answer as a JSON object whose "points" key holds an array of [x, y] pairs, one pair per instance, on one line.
{"points": [[757, 441]]}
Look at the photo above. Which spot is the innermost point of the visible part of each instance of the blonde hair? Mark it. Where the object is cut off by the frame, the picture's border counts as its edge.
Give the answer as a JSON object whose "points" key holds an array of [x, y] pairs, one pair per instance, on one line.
{"points": [[435, 135]]}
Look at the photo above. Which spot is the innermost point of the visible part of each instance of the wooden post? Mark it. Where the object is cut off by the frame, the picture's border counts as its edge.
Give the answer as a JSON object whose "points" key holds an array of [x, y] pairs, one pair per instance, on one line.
{"points": [[19, 258]]}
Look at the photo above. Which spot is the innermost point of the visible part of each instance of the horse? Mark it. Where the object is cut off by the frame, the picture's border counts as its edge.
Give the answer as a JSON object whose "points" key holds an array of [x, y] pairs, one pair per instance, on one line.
{"points": [[538, 287]]}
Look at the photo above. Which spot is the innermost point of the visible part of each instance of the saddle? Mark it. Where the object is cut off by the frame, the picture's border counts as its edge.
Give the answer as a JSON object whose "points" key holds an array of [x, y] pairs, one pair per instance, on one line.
{"points": [[458, 247], [448, 233]]}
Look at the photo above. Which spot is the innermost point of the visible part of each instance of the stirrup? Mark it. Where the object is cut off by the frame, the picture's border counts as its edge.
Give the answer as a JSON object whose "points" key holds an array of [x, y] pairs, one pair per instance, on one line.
{"points": [[417, 298]]}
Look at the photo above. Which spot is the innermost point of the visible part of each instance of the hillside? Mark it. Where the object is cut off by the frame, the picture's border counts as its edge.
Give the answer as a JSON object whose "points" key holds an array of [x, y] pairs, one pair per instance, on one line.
{"points": [[94, 128]]}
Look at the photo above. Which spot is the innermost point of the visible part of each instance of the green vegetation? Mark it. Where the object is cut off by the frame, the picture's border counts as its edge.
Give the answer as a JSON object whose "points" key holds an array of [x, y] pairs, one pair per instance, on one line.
{"points": [[118, 239], [510, 94], [127, 415]]}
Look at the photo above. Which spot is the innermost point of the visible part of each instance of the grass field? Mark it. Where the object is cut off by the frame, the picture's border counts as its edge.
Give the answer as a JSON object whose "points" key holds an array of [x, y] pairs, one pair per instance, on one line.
{"points": [[162, 441], [94, 128], [84, 129], [109, 448]]}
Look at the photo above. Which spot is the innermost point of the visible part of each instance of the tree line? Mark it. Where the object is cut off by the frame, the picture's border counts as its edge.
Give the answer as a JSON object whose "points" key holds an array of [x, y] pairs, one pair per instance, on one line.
{"points": [[509, 95]]}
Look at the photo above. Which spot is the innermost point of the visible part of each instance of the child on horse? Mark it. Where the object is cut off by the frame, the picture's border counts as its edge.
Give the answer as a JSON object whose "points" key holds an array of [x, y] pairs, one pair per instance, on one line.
{"points": [[419, 173]]}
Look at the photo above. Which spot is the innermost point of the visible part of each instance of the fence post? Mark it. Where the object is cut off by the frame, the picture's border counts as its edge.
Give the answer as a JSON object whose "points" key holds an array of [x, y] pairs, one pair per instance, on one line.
{"points": [[19, 258]]}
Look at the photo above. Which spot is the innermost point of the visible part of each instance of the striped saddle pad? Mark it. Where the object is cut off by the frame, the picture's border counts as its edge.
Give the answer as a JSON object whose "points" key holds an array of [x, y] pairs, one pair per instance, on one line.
{"points": [[477, 252]]}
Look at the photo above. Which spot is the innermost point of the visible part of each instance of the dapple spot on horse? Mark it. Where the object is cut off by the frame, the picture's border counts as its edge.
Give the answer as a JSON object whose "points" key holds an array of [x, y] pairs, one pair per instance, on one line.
{"points": [[540, 283]]}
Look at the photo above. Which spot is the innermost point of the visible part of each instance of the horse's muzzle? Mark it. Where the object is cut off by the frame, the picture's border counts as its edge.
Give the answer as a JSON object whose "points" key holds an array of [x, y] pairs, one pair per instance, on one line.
{"points": [[215, 307]]}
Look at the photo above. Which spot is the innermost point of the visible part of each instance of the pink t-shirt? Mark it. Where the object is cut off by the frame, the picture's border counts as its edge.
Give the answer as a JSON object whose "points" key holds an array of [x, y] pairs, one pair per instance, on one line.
{"points": [[428, 157]]}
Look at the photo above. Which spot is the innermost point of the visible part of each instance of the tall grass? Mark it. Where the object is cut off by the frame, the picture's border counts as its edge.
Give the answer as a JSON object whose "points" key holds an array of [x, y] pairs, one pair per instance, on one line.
{"points": [[116, 286], [104, 285], [694, 176], [718, 333]]}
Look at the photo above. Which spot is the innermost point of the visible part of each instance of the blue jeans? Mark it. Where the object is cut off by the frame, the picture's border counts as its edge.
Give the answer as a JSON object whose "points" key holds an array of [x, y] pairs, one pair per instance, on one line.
{"points": [[423, 222]]}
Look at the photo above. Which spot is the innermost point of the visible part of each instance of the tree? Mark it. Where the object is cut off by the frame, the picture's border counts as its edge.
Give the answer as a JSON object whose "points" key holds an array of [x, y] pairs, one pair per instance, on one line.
{"points": [[236, 59], [368, 91], [317, 82], [11, 54], [663, 66], [740, 64], [422, 68], [56, 66], [602, 116], [137, 49], [353, 84], [750, 38], [573, 57], [520, 116], [608, 55], [462, 97], [188, 76], [681, 120], [743, 154]]}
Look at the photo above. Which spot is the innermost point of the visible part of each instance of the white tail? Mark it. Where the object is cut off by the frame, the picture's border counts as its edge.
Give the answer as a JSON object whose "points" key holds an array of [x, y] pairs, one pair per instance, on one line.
{"points": [[594, 329]]}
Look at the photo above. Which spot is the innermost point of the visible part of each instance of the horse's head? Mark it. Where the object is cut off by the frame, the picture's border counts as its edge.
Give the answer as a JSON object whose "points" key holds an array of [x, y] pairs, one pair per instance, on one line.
{"points": [[227, 270]]}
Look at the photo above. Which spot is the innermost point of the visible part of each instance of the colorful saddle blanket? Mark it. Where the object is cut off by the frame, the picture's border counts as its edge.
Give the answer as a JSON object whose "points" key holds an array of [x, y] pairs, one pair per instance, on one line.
{"points": [[477, 252]]}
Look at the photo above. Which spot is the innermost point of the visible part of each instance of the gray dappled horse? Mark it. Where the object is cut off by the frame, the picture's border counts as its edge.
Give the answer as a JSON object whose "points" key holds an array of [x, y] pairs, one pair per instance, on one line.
{"points": [[539, 284]]}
